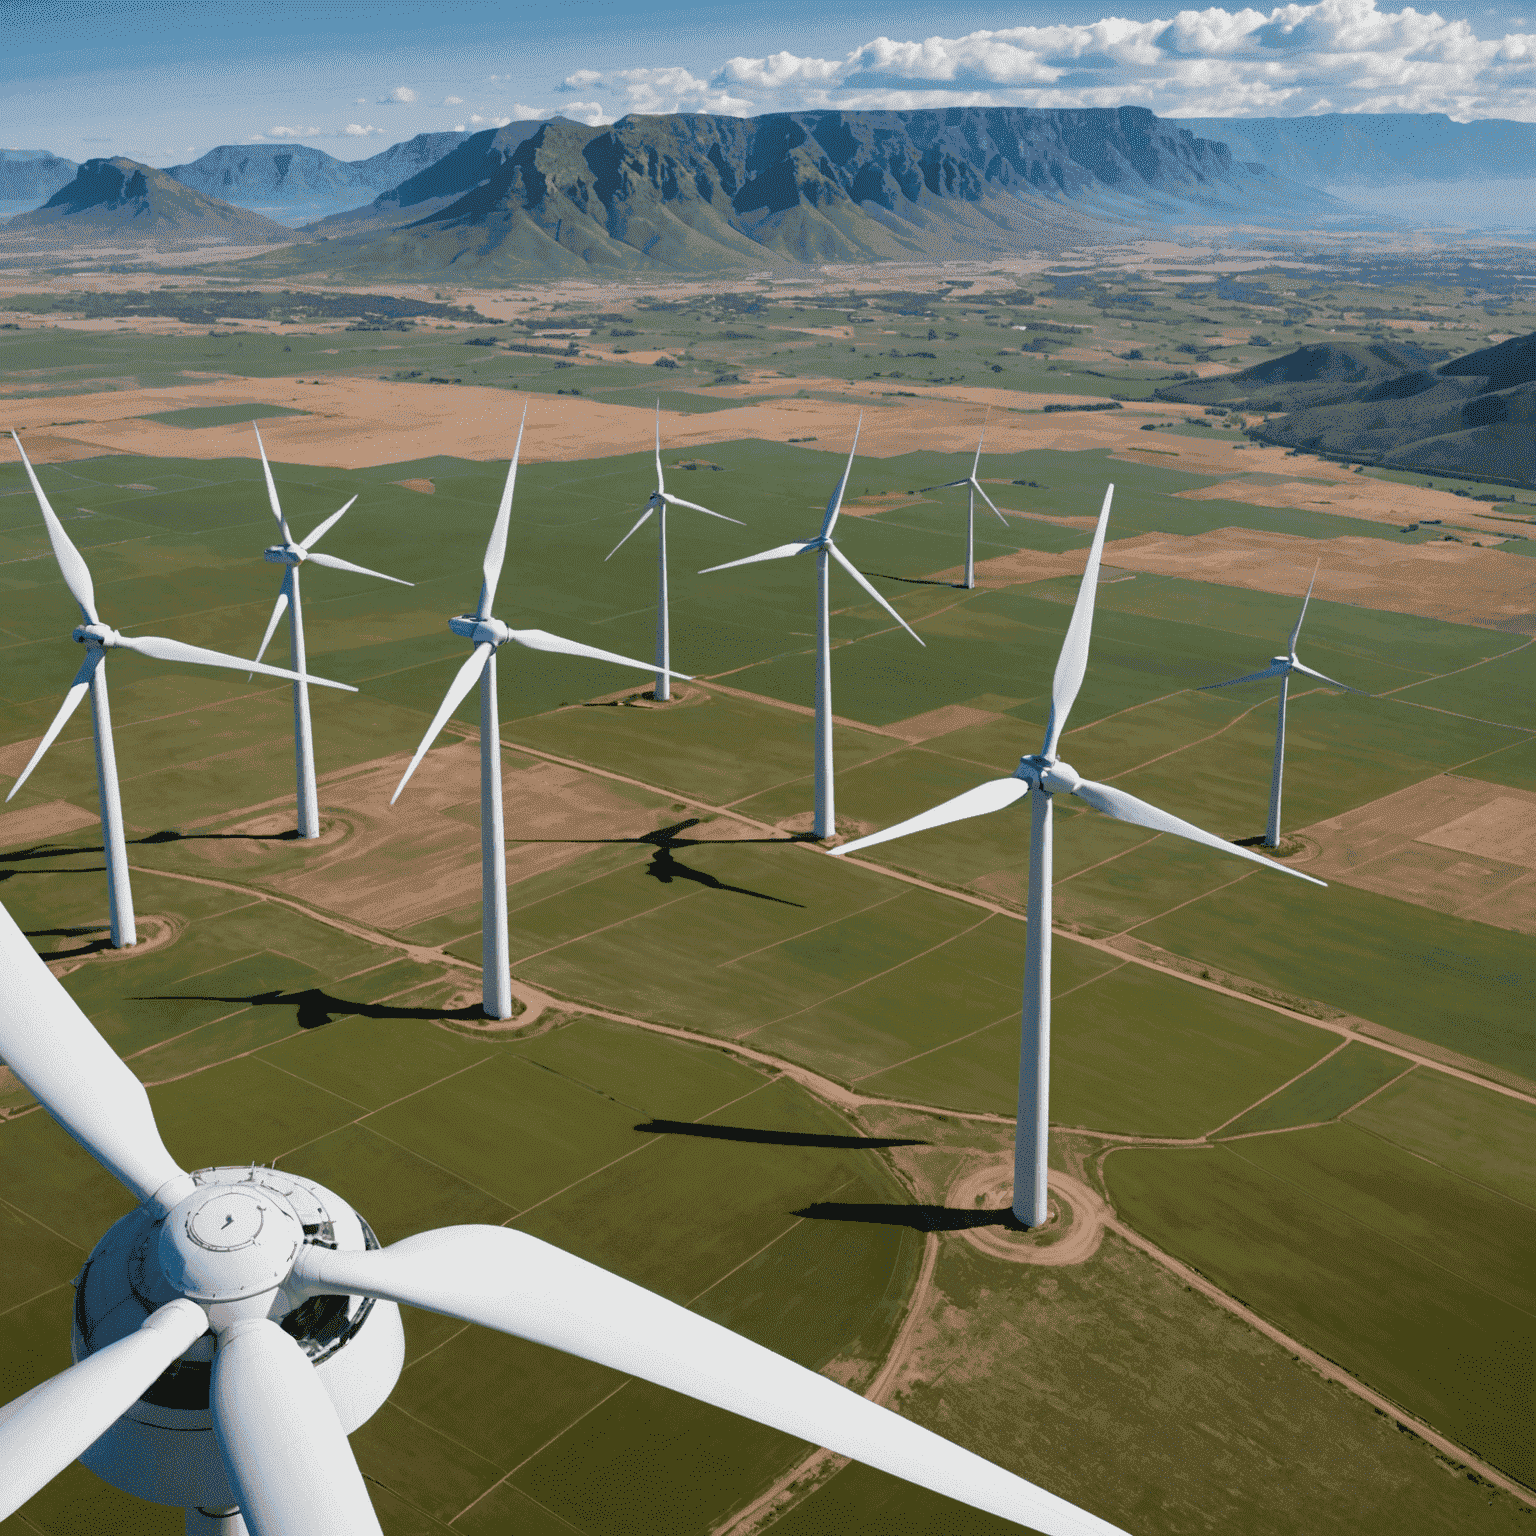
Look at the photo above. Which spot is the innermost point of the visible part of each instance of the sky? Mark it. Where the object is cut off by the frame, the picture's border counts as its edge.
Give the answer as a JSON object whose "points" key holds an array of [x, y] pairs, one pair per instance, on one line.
{"points": [[164, 81]]}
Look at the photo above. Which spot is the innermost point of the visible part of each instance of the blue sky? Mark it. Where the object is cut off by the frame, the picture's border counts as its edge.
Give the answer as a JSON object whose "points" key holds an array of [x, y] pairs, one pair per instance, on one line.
{"points": [[165, 82]]}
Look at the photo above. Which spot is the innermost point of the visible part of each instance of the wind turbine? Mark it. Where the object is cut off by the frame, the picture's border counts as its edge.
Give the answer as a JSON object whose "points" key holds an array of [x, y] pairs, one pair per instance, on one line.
{"points": [[826, 551], [659, 502], [239, 1323], [973, 490], [1048, 776], [293, 554], [487, 634], [1282, 667], [98, 639]]}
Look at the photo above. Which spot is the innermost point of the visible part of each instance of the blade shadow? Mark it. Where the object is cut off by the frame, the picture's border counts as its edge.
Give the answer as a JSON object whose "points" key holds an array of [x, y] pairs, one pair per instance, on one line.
{"points": [[914, 581], [90, 947], [769, 1137], [315, 1007], [920, 1218], [170, 836]]}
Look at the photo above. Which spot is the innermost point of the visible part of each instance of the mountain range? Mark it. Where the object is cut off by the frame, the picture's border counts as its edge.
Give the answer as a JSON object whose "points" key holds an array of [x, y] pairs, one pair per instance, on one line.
{"points": [[29, 176], [698, 192], [295, 184]]}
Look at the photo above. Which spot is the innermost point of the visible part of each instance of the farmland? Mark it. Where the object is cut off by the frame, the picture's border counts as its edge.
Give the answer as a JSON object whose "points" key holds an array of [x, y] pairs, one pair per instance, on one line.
{"points": [[747, 1075]]}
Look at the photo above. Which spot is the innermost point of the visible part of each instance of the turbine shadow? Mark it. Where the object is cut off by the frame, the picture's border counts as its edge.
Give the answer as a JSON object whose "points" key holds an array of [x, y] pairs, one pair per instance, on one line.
{"points": [[91, 947], [920, 1218], [169, 836], [915, 581], [315, 1007], [770, 1138]]}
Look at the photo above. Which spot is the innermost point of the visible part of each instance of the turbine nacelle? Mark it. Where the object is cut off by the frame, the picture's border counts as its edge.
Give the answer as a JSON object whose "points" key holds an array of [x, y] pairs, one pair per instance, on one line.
{"points": [[285, 554], [230, 1243], [1281, 661], [480, 631], [95, 634]]}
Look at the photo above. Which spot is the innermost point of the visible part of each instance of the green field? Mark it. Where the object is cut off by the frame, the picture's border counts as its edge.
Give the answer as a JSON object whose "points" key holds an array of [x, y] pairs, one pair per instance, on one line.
{"points": [[325, 1034]]}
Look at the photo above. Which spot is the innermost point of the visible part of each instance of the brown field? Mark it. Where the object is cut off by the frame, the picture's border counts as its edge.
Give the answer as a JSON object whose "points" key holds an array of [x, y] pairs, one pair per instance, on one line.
{"points": [[1454, 845], [39, 823]]}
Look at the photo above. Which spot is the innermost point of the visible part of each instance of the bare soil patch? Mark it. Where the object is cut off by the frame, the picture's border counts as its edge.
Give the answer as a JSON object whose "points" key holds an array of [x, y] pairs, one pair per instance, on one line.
{"points": [[1072, 1232], [1454, 845], [940, 722], [424, 486], [1456, 582], [39, 823]]}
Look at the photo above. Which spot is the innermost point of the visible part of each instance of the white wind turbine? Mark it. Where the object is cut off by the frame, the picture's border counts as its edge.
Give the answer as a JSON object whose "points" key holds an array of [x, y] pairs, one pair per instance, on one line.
{"points": [[293, 553], [239, 1323], [98, 639], [659, 502], [1048, 776], [1282, 667], [973, 490], [825, 820], [487, 634]]}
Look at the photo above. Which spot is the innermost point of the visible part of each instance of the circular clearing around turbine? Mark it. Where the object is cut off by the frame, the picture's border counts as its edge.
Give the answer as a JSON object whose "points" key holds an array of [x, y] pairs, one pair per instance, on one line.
{"points": [[1072, 1232]]}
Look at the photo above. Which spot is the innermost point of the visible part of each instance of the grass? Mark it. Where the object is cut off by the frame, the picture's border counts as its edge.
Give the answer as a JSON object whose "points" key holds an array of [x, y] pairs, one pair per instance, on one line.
{"points": [[1410, 1276], [220, 415], [1326, 1092]]}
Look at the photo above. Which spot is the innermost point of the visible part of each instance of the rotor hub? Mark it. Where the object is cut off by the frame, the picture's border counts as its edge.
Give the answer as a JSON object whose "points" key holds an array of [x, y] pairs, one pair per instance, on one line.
{"points": [[226, 1242], [284, 554], [1060, 778], [1279, 661], [95, 634], [480, 631]]}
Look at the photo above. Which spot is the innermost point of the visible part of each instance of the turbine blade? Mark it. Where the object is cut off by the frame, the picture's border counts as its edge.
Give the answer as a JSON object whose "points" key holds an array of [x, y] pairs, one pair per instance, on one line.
{"points": [[44, 1430], [325, 527], [72, 697], [77, 575], [512, 1282], [279, 608], [464, 679], [1124, 807], [330, 562], [693, 506], [496, 547], [780, 552], [542, 640], [864, 582], [660, 484], [835, 503], [1073, 661], [977, 484], [266, 469], [650, 507], [994, 795], [1299, 666], [976, 465], [1300, 616], [287, 1456], [1275, 669], [62, 1061], [161, 649]]}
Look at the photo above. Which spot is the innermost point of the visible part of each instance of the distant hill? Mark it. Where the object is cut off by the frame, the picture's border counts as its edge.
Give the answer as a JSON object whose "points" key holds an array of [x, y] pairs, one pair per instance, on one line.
{"points": [[697, 192], [32, 174], [1474, 416], [297, 183], [119, 201], [1309, 376]]}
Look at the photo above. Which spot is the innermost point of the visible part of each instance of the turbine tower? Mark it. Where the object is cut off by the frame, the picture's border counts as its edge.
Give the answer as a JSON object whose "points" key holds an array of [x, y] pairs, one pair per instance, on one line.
{"points": [[825, 825], [973, 490], [1282, 667], [487, 634], [659, 502], [98, 639], [240, 1322], [293, 554], [1048, 776]]}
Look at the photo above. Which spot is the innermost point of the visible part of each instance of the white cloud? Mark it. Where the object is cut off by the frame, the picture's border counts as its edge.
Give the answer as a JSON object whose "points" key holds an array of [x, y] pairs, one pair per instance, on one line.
{"points": [[582, 80], [458, 128], [401, 96], [288, 133], [589, 112], [1334, 55], [360, 130], [453, 101], [362, 101], [478, 121]]}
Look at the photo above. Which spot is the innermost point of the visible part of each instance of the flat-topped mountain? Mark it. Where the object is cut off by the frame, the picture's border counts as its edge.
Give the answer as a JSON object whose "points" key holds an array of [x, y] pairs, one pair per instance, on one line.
{"points": [[696, 192], [118, 200]]}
